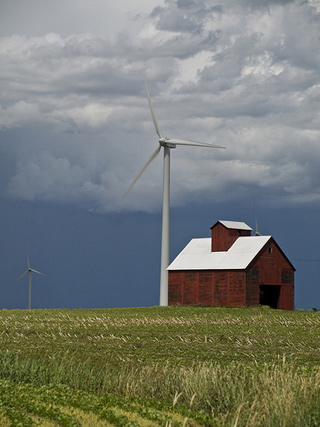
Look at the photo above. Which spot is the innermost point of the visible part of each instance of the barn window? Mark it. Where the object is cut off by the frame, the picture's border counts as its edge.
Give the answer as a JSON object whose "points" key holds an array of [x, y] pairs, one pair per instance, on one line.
{"points": [[270, 250]]}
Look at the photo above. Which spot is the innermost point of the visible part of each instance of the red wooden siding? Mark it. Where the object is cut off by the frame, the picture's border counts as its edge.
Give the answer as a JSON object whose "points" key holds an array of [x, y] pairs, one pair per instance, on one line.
{"points": [[272, 264], [207, 288], [286, 300], [252, 294], [190, 288], [252, 286], [175, 288], [222, 238], [236, 294], [220, 287]]}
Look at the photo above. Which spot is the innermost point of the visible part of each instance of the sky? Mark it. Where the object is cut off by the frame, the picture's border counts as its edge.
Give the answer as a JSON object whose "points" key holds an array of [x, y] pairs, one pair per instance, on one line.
{"points": [[75, 130]]}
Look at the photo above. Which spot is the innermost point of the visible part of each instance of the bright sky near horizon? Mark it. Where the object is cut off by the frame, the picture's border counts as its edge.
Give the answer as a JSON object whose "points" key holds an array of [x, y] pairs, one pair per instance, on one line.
{"points": [[75, 129]]}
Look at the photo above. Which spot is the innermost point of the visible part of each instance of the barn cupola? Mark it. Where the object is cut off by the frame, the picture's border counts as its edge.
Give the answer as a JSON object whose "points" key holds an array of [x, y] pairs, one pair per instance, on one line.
{"points": [[225, 233]]}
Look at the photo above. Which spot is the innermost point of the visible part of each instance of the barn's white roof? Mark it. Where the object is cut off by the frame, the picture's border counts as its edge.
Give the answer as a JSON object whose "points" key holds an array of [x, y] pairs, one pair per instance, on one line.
{"points": [[197, 254], [236, 225]]}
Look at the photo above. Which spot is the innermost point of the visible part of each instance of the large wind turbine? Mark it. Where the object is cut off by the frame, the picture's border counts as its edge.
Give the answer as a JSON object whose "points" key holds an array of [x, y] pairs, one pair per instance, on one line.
{"points": [[167, 144], [30, 271]]}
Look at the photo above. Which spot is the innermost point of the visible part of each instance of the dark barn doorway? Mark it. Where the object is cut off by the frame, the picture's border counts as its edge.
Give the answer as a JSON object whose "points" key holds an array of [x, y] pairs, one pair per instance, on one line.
{"points": [[269, 295]]}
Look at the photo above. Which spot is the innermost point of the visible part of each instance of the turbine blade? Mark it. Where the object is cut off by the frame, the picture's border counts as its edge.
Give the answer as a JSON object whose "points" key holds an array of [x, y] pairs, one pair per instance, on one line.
{"points": [[194, 143], [28, 261], [152, 112], [38, 272], [153, 155], [22, 275]]}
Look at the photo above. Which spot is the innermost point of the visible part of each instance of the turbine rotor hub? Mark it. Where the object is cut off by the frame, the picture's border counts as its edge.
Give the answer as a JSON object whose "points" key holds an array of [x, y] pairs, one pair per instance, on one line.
{"points": [[165, 142], [162, 141]]}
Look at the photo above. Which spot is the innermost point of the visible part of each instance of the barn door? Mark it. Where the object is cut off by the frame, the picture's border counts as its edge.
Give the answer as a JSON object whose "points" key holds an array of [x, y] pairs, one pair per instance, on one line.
{"points": [[269, 295]]}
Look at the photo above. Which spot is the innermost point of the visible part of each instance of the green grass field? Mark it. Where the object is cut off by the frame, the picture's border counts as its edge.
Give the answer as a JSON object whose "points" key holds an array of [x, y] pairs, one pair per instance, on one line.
{"points": [[160, 366]]}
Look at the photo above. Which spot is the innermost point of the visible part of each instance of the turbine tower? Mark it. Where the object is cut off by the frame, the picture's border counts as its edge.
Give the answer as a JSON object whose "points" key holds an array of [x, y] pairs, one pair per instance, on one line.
{"points": [[30, 271], [167, 144]]}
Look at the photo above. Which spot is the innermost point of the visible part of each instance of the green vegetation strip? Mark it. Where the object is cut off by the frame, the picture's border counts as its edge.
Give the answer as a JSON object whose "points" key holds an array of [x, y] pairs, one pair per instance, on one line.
{"points": [[19, 401], [191, 366]]}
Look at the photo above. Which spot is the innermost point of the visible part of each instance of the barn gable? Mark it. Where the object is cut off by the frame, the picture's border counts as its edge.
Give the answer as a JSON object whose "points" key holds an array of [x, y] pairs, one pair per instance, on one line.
{"points": [[252, 271]]}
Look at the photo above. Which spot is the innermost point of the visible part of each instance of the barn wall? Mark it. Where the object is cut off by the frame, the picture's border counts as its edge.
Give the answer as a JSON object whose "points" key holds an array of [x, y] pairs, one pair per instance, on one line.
{"points": [[286, 300], [218, 238], [205, 295], [190, 287], [220, 287], [252, 294], [252, 286], [272, 268], [236, 283], [183, 288], [175, 287]]}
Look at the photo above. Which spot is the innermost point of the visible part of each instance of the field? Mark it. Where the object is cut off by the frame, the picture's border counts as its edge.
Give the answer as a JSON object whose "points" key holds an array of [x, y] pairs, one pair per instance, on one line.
{"points": [[160, 366]]}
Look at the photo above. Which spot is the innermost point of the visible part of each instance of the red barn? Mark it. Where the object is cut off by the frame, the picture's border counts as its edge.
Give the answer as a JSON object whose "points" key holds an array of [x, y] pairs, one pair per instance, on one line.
{"points": [[232, 268]]}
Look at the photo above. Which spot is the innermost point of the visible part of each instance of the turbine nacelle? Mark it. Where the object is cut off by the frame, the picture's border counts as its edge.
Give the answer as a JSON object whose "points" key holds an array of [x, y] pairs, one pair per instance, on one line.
{"points": [[165, 142]]}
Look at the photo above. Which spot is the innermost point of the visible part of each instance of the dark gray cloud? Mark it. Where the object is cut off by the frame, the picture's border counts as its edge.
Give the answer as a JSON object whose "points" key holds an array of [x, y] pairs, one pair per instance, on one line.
{"points": [[247, 78], [265, 4], [178, 24], [184, 16]]}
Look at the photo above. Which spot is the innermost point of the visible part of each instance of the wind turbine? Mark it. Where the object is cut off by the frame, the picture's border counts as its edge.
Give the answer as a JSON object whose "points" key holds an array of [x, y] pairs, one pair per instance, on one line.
{"points": [[255, 219], [30, 271], [167, 144]]}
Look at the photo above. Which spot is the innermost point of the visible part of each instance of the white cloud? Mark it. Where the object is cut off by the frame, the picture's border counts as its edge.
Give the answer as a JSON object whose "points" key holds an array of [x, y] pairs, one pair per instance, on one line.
{"points": [[244, 75], [103, 17]]}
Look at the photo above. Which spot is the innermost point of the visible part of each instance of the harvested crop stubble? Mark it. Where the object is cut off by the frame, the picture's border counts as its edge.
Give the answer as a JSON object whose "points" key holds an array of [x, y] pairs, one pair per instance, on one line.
{"points": [[192, 365]]}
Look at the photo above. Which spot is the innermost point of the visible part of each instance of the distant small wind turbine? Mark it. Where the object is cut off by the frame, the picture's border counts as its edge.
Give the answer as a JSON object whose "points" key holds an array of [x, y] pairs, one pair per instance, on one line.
{"points": [[255, 219], [167, 144], [30, 271]]}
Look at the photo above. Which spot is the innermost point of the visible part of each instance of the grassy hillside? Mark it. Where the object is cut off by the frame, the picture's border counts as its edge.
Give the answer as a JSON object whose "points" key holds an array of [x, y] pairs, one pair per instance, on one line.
{"points": [[156, 366]]}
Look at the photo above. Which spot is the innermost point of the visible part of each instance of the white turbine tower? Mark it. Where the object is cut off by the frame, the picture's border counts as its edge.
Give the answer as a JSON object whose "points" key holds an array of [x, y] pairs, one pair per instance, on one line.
{"points": [[167, 144], [30, 271]]}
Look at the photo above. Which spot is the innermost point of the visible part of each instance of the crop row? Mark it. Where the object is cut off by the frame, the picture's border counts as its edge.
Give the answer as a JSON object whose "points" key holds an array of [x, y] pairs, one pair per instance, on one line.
{"points": [[174, 334], [170, 316], [20, 403]]}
